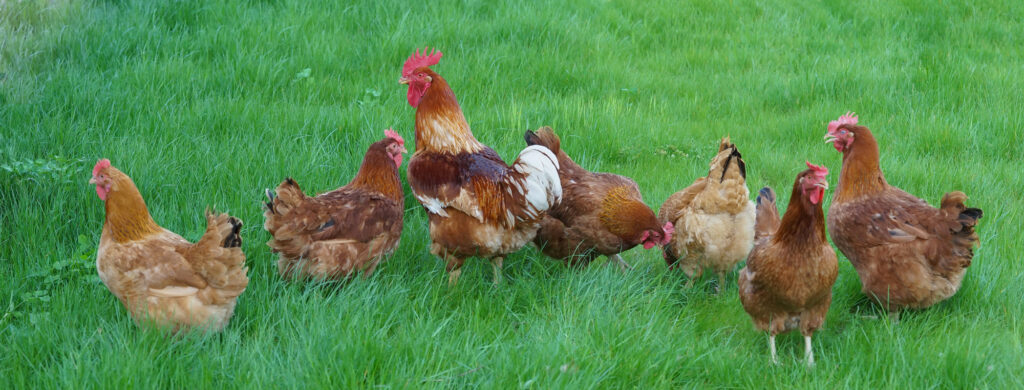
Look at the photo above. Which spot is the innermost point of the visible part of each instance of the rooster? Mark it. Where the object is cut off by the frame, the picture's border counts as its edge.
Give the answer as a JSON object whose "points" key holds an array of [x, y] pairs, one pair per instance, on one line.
{"points": [[787, 283], [600, 213], [337, 233], [907, 253], [477, 205], [159, 276], [713, 218]]}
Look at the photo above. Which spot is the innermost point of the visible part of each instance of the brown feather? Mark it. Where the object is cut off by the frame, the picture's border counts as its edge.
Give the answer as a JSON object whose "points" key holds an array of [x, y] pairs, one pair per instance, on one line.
{"points": [[626, 216], [440, 124], [378, 172], [860, 174], [767, 221], [126, 214]]}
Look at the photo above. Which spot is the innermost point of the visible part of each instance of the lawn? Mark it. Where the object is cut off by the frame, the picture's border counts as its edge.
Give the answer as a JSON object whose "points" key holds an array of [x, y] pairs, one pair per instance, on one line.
{"points": [[204, 103]]}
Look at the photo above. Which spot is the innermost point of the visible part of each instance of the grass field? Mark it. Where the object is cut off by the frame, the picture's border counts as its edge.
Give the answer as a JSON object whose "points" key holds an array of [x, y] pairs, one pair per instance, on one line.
{"points": [[205, 103]]}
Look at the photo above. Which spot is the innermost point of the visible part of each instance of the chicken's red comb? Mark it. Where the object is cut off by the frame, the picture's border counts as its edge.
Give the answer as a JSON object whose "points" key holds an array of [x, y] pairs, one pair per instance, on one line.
{"points": [[100, 165], [819, 170], [417, 60], [393, 135], [849, 119]]}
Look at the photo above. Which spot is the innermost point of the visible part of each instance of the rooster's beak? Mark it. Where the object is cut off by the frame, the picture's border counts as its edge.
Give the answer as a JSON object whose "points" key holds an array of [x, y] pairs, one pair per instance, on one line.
{"points": [[829, 138], [404, 151], [823, 184], [403, 80], [92, 180]]}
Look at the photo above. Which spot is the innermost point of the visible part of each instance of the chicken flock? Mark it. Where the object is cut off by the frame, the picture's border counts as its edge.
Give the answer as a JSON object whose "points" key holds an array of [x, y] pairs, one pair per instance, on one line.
{"points": [[907, 254]]}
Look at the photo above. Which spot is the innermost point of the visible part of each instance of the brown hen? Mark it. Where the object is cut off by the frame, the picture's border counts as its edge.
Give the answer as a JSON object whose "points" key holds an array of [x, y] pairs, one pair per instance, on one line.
{"points": [[713, 218], [156, 274], [787, 282], [599, 214], [907, 253], [337, 233]]}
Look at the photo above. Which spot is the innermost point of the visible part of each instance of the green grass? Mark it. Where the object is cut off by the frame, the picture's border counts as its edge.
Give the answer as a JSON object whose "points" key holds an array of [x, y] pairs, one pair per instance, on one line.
{"points": [[207, 104]]}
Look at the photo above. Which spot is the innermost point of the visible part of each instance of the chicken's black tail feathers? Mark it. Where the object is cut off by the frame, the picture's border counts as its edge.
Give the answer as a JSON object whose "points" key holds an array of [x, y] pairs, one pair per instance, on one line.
{"points": [[234, 239], [270, 199], [766, 194]]}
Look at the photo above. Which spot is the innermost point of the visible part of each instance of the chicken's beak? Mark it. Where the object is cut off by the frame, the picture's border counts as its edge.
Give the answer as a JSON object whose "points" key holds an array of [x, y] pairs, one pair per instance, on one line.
{"points": [[92, 180], [404, 150], [822, 184], [403, 80], [829, 138]]}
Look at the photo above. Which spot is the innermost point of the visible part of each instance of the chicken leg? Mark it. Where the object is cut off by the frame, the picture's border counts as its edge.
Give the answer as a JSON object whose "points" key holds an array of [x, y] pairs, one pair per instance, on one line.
{"points": [[771, 347], [894, 316], [689, 283], [454, 268], [453, 277], [496, 265], [808, 352], [623, 265], [721, 283], [692, 275]]}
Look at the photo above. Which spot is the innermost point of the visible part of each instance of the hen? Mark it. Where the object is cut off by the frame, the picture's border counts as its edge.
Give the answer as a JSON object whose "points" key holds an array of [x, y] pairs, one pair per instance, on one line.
{"points": [[599, 214], [159, 276], [713, 218], [337, 233], [907, 253], [787, 283], [476, 204]]}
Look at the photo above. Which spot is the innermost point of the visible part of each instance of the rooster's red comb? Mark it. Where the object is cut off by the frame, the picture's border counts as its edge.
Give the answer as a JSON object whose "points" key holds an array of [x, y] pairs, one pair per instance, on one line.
{"points": [[100, 165], [849, 119], [393, 135], [417, 60], [819, 170]]}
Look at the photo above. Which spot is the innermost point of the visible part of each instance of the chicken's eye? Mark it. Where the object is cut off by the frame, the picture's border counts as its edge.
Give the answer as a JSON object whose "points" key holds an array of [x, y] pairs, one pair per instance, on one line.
{"points": [[842, 132]]}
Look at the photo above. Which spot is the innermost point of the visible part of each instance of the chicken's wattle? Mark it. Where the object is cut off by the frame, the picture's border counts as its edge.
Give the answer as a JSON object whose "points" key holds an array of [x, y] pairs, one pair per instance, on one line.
{"points": [[817, 194], [416, 91], [102, 190]]}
